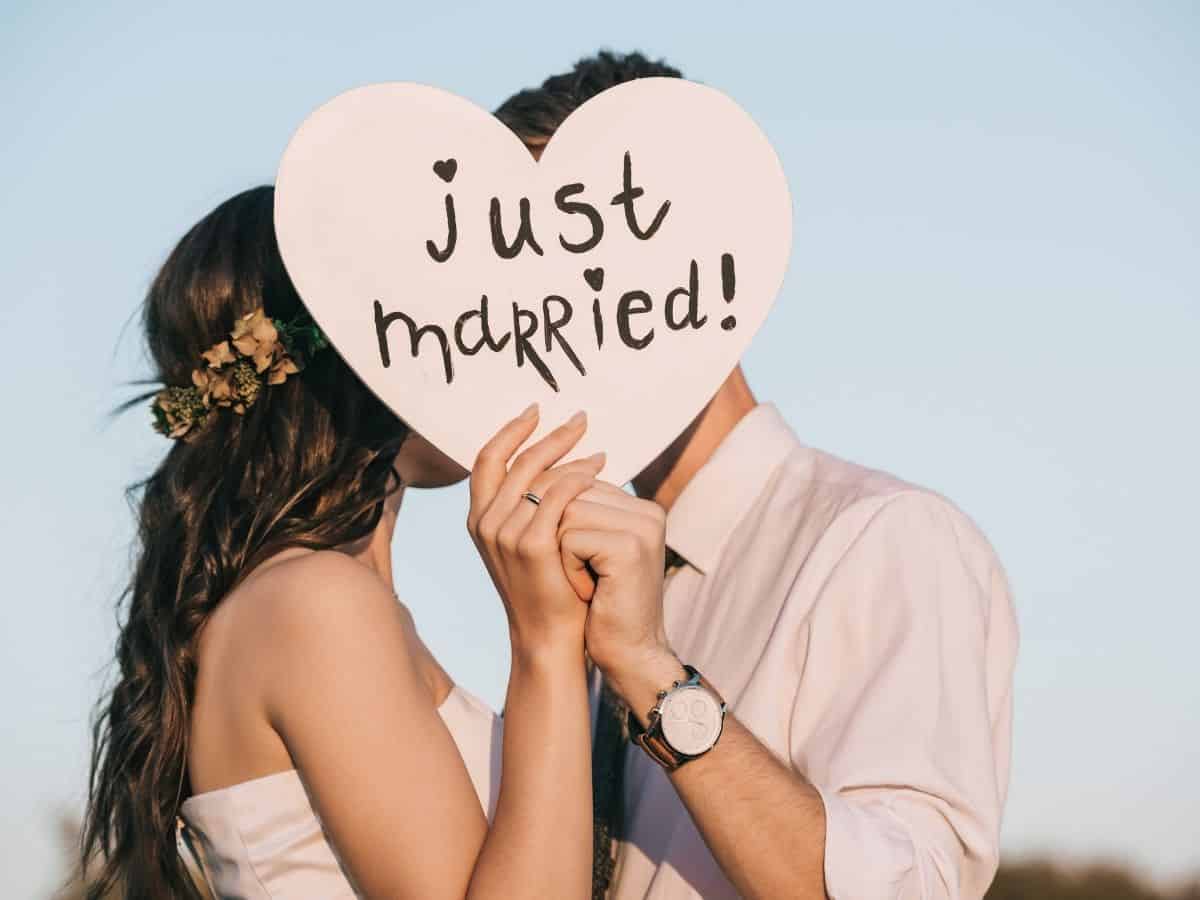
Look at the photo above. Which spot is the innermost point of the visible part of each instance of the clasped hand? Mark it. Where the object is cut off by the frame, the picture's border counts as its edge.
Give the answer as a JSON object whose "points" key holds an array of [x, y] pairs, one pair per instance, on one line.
{"points": [[581, 567]]}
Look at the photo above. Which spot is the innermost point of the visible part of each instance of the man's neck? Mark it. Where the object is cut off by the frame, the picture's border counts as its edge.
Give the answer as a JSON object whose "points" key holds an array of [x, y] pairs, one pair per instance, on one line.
{"points": [[665, 478]]}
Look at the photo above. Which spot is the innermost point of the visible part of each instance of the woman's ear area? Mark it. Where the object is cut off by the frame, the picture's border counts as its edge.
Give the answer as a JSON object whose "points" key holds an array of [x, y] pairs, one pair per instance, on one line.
{"points": [[422, 465]]}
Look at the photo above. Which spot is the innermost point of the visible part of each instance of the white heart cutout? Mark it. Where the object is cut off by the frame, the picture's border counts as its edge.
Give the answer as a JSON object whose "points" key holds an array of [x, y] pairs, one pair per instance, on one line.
{"points": [[361, 216]]}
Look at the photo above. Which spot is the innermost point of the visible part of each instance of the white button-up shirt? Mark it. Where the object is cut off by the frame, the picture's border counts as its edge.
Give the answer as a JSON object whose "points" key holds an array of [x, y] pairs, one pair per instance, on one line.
{"points": [[862, 629]]}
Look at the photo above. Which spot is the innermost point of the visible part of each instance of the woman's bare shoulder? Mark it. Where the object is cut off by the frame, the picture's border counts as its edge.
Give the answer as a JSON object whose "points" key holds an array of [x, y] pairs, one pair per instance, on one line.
{"points": [[303, 623], [316, 596], [321, 624]]}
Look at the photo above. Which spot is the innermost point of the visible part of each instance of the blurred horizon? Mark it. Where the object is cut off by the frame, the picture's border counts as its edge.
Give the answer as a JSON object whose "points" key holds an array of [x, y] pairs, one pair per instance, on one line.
{"points": [[1032, 878], [994, 291]]}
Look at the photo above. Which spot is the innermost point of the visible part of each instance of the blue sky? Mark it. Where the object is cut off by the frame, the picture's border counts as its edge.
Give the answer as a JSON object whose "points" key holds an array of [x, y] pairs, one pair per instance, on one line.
{"points": [[994, 291]]}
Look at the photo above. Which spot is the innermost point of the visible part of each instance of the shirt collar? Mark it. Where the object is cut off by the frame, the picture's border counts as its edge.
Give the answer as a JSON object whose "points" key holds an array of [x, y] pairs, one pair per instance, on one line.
{"points": [[723, 490]]}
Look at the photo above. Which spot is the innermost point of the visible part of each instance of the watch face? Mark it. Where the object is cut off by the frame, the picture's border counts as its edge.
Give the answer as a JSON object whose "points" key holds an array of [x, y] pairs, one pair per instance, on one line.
{"points": [[691, 720]]}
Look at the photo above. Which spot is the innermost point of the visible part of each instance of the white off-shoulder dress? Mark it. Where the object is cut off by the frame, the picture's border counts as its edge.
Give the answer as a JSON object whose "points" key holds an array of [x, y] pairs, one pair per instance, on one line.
{"points": [[262, 839]]}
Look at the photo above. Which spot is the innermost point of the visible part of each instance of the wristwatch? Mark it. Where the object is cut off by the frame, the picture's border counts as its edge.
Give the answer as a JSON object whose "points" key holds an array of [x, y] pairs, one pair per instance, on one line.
{"points": [[684, 725]]}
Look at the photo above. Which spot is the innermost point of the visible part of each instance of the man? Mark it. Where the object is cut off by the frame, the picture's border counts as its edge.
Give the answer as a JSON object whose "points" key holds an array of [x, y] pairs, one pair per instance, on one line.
{"points": [[859, 629]]}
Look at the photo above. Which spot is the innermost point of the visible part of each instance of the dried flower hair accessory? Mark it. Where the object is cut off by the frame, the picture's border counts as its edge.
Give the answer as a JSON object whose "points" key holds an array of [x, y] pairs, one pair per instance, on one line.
{"points": [[259, 352]]}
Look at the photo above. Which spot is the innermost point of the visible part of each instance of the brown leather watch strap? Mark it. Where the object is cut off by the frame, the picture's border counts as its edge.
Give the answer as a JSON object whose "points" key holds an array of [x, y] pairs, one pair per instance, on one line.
{"points": [[653, 742]]}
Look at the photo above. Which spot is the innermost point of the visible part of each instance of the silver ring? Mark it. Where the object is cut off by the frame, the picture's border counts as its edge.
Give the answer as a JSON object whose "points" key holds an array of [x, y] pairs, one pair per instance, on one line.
{"points": [[532, 498]]}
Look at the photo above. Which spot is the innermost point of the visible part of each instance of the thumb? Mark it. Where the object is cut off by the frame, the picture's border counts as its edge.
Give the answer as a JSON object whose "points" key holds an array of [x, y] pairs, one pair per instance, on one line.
{"points": [[580, 548]]}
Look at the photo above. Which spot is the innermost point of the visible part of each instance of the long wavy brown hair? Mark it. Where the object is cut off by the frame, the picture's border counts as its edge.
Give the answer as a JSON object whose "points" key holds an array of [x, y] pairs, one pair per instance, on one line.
{"points": [[308, 465]]}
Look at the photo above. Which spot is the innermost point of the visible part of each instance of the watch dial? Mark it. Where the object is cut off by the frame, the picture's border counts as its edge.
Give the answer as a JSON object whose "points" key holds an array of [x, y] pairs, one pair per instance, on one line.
{"points": [[691, 720]]}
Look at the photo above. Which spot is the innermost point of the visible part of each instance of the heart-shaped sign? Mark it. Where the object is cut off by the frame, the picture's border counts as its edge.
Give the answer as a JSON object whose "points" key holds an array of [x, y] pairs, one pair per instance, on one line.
{"points": [[622, 274]]}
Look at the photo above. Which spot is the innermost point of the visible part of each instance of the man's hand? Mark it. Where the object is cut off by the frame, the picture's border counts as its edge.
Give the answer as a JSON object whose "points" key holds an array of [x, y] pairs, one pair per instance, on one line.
{"points": [[613, 547]]}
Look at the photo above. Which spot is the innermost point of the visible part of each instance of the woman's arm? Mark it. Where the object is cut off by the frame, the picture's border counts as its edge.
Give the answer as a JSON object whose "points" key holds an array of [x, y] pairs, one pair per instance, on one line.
{"points": [[540, 844]]}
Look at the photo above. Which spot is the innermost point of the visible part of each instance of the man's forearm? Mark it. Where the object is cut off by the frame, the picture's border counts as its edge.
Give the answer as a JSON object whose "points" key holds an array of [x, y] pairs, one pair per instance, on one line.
{"points": [[764, 824]]}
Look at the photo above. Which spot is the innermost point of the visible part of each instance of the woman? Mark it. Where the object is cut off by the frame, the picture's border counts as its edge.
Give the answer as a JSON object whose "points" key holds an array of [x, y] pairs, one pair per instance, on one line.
{"points": [[273, 695]]}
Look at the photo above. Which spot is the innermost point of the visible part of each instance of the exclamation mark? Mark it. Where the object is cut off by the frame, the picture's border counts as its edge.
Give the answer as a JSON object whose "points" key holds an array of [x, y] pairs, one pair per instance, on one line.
{"points": [[727, 287]]}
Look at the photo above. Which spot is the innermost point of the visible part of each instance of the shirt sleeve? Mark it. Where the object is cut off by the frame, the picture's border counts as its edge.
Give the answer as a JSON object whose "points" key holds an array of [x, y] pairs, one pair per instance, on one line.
{"points": [[905, 702]]}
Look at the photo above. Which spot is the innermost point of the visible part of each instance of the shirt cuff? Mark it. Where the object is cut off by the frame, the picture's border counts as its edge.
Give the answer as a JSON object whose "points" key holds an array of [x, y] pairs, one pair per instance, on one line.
{"points": [[868, 852]]}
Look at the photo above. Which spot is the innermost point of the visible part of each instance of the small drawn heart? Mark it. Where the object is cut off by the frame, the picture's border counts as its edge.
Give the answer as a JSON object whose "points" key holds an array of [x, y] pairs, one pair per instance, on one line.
{"points": [[446, 169], [594, 278]]}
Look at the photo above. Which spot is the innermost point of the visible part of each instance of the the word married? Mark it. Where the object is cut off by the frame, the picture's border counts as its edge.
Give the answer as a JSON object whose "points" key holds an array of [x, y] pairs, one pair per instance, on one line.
{"points": [[680, 308]]}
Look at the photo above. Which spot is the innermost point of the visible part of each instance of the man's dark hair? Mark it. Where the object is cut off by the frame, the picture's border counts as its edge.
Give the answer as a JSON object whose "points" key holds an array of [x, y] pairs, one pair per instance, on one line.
{"points": [[534, 114]]}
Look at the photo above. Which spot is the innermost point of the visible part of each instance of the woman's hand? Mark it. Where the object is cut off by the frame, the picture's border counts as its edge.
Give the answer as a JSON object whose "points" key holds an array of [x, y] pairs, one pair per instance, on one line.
{"points": [[518, 539]]}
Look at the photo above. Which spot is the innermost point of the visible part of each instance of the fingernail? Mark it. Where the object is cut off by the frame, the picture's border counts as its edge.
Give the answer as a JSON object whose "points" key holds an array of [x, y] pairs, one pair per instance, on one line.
{"points": [[578, 419], [598, 457], [530, 411]]}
